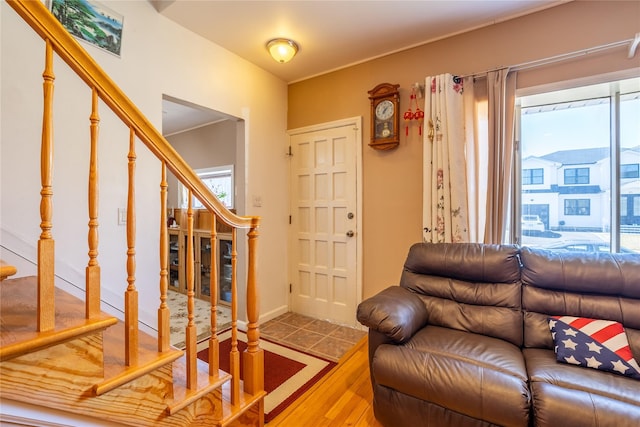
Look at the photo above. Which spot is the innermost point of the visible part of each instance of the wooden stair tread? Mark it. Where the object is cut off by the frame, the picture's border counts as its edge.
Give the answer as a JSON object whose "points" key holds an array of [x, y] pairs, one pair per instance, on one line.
{"points": [[116, 372], [205, 384], [231, 413], [18, 328]]}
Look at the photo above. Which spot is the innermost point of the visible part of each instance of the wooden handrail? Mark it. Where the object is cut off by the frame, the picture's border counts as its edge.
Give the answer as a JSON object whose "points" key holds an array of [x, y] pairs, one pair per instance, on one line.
{"points": [[47, 26]]}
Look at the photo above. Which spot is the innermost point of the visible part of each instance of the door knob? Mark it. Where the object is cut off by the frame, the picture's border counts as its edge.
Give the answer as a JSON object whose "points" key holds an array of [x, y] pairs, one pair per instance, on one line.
{"points": [[350, 233], [350, 215]]}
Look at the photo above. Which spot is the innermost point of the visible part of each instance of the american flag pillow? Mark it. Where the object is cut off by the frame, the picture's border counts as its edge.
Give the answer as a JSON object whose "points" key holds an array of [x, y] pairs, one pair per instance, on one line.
{"points": [[593, 343]]}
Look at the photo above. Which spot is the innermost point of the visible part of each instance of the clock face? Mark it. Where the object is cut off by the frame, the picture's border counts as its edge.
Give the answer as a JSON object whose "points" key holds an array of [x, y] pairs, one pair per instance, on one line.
{"points": [[384, 110]]}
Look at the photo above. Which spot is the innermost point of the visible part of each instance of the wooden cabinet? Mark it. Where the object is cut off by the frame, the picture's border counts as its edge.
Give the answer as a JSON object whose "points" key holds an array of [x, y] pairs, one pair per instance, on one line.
{"points": [[174, 259], [224, 271], [202, 264]]}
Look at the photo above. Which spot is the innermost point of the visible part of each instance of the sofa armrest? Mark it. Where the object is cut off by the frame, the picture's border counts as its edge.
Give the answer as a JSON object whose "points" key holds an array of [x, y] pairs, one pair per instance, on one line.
{"points": [[395, 312]]}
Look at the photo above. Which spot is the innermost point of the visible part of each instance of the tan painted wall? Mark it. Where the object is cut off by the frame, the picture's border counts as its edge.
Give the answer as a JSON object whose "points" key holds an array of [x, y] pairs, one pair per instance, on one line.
{"points": [[392, 182]]}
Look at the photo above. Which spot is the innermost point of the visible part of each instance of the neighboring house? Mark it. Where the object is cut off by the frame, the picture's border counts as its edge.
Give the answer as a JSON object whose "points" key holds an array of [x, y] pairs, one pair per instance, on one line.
{"points": [[572, 188]]}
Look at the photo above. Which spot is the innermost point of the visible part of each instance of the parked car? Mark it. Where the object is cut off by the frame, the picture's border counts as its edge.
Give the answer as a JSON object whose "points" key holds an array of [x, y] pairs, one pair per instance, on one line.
{"points": [[585, 246], [532, 223]]}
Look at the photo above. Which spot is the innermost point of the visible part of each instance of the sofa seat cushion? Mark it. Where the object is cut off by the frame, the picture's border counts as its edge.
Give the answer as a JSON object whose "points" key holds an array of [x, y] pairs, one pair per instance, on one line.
{"points": [[474, 375], [570, 395]]}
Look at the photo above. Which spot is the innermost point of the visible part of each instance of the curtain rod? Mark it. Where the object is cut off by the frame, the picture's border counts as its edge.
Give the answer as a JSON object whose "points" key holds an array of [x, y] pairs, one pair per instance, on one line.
{"points": [[565, 56]]}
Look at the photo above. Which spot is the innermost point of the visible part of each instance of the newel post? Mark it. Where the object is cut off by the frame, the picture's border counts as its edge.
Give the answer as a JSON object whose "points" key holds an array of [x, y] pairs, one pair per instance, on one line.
{"points": [[253, 357]]}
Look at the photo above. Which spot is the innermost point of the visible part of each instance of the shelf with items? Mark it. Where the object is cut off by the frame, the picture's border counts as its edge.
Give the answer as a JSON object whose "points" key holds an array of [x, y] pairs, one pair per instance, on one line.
{"points": [[174, 259], [224, 271], [203, 290], [203, 268]]}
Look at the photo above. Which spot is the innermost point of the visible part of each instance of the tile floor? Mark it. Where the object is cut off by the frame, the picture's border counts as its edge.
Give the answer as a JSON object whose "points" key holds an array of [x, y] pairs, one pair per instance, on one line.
{"points": [[317, 337]]}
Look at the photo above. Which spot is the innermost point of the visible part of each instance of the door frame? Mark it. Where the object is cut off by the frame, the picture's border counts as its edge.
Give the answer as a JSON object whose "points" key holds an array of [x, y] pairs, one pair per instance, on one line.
{"points": [[356, 122]]}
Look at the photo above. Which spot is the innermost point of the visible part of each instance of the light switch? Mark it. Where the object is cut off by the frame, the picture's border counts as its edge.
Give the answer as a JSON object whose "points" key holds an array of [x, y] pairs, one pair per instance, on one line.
{"points": [[257, 201], [122, 216]]}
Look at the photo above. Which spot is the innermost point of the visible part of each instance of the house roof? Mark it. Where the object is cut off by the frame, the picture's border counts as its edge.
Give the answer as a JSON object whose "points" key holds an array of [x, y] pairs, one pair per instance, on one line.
{"points": [[580, 156]]}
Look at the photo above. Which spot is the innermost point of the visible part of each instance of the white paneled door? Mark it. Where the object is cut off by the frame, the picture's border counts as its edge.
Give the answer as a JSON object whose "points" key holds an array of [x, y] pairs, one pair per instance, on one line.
{"points": [[324, 223]]}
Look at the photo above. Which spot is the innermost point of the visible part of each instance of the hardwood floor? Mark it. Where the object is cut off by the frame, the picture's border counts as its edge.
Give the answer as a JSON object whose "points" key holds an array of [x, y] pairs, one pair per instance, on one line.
{"points": [[343, 398]]}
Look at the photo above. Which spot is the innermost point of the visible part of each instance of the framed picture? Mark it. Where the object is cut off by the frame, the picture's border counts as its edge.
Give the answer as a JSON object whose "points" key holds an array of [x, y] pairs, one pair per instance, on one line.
{"points": [[90, 21]]}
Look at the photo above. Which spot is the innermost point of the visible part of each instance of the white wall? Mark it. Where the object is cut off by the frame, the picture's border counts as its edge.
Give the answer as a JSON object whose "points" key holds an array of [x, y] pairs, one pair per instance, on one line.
{"points": [[158, 57], [206, 147]]}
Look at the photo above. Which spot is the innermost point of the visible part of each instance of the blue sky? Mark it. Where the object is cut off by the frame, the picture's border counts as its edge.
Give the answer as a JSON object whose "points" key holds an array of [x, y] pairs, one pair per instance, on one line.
{"points": [[582, 127]]}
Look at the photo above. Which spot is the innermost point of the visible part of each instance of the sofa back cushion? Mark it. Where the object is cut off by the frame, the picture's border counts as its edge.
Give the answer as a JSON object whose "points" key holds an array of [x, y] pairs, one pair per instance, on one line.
{"points": [[468, 286], [595, 285]]}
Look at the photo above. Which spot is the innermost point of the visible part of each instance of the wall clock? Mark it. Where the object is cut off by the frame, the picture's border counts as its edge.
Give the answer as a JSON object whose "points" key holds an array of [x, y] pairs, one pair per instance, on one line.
{"points": [[385, 118]]}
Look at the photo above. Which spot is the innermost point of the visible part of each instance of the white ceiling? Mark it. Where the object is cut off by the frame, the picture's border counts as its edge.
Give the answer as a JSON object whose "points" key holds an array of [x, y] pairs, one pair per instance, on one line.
{"points": [[180, 116], [334, 34]]}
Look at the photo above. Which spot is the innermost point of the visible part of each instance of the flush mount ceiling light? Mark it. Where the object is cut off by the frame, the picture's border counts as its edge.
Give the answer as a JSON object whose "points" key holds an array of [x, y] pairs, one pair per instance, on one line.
{"points": [[282, 50]]}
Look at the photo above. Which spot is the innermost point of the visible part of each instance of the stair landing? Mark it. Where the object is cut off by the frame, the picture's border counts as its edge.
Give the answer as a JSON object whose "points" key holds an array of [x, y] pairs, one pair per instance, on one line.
{"points": [[18, 326]]}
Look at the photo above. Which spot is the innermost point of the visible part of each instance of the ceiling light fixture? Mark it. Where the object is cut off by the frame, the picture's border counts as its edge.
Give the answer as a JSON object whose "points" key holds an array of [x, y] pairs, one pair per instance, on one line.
{"points": [[282, 50]]}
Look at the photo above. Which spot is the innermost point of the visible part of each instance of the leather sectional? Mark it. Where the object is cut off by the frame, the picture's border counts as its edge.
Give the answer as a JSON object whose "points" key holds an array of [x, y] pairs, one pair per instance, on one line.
{"points": [[465, 338]]}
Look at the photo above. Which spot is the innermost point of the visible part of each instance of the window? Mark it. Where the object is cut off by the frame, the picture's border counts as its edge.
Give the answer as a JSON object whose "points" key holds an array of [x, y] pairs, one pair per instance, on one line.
{"points": [[577, 207], [630, 171], [533, 176], [586, 140], [576, 176], [220, 182]]}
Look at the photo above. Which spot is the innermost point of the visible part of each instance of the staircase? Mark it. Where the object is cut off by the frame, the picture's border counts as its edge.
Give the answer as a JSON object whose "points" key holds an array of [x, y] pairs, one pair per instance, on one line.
{"points": [[60, 352]]}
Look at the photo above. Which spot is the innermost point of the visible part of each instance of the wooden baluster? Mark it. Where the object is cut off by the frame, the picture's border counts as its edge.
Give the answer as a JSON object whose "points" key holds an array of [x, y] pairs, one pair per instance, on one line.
{"points": [[92, 275], [253, 357], [46, 244], [131, 295], [234, 355], [214, 345], [164, 328], [191, 332]]}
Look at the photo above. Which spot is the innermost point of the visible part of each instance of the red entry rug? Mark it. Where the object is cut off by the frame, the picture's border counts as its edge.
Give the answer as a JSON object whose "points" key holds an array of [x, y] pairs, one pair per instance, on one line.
{"points": [[288, 373]]}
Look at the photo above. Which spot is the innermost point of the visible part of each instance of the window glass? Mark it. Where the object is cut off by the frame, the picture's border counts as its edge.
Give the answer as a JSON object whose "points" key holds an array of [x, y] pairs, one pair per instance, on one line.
{"points": [[569, 177], [630, 171], [220, 182], [576, 176], [629, 168], [577, 207], [533, 176]]}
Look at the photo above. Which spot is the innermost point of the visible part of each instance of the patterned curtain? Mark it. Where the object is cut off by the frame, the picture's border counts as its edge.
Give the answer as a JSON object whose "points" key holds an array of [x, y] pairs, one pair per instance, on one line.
{"points": [[445, 216], [469, 161]]}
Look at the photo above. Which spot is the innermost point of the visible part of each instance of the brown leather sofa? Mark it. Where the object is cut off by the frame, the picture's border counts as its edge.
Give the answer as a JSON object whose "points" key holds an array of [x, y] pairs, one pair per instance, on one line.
{"points": [[464, 340]]}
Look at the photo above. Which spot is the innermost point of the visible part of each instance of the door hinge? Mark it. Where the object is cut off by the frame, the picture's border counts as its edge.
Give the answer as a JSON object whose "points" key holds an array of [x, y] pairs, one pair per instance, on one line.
{"points": [[289, 153], [289, 219], [290, 288]]}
